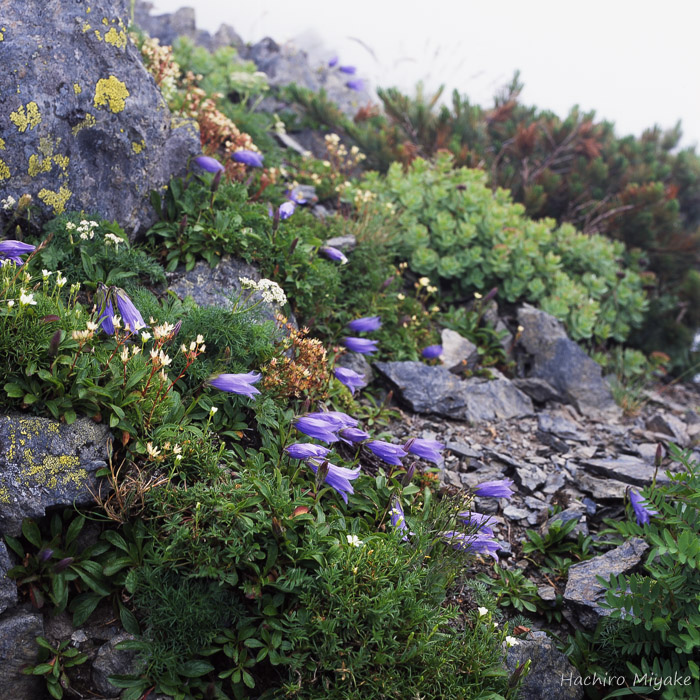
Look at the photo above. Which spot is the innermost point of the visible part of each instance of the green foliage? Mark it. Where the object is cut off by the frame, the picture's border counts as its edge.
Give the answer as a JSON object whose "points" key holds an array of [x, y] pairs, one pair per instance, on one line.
{"points": [[52, 664], [513, 589], [91, 250], [466, 239], [656, 612]]}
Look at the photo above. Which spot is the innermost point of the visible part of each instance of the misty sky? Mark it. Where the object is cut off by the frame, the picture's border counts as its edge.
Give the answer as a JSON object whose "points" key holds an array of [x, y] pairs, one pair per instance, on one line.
{"points": [[635, 62]]}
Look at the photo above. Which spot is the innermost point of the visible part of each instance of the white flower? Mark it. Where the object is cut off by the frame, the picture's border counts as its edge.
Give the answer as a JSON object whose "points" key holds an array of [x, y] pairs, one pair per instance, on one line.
{"points": [[46, 274], [26, 299], [111, 238], [145, 336], [92, 326], [70, 226], [200, 339], [213, 410], [354, 540], [152, 451], [60, 281], [483, 611], [8, 203], [511, 641], [125, 354], [135, 349], [154, 353], [11, 303]]}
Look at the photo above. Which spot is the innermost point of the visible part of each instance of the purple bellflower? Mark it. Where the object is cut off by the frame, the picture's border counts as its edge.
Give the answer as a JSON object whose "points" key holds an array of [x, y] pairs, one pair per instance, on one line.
{"points": [[348, 70], [426, 449], [305, 450], [11, 250], [391, 454], [211, 165], [350, 435], [495, 489], [338, 478], [479, 519], [237, 383], [641, 508], [358, 85], [398, 519], [297, 196], [365, 325], [131, 316], [333, 254], [316, 428], [251, 158], [475, 544], [336, 419], [333, 62], [431, 352], [364, 346], [286, 210], [352, 380], [106, 319]]}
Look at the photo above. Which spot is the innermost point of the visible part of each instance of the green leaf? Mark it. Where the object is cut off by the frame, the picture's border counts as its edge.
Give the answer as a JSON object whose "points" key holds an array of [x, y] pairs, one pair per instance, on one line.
{"points": [[74, 529], [83, 606], [195, 668], [31, 531], [14, 391], [129, 621]]}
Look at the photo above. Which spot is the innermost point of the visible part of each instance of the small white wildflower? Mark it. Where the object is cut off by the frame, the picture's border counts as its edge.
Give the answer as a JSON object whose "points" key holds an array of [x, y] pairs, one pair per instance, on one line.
{"points": [[92, 326], [163, 331], [154, 353], [125, 354], [483, 611], [213, 410], [111, 238], [46, 274], [11, 303], [60, 281], [247, 283], [152, 451], [183, 349], [163, 375], [424, 281], [477, 296], [135, 349], [8, 203], [75, 288], [165, 359], [117, 322], [511, 641], [200, 339], [70, 226], [400, 297], [354, 540], [145, 336], [193, 346], [26, 299]]}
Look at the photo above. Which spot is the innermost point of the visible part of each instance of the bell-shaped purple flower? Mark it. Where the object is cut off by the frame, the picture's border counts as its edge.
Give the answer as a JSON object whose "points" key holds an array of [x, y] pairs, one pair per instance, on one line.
{"points": [[11, 250], [364, 346], [365, 325], [426, 449], [338, 478], [641, 508], [133, 321], [106, 319], [286, 210], [305, 450], [241, 384], [296, 195], [475, 544], [251, 158], [352, 380], [336, 419], [333, 62], [211, 165], [478, 519], [316, 428], [358, 85], [391, 454], [333, 254], [351, 435], [495, 489], [431, 352], [348, 70]]}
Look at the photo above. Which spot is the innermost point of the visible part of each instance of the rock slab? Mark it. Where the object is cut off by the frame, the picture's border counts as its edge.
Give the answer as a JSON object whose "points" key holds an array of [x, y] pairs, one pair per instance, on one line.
{"points": [[18, 648], [82, 124], [45, 463]]}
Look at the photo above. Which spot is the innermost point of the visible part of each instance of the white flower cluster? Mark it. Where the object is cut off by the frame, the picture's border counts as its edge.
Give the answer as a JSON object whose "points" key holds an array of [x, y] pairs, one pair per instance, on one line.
{"points": [[112, 238], [244, 80], [271, 292], [85, 229], [8, 203]]}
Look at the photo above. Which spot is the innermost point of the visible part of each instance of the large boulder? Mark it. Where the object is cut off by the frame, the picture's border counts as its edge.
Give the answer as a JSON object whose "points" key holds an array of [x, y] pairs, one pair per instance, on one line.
{"points": [[557, 360], [82, 124], [427, 389], [18, 648], [45, 463]]}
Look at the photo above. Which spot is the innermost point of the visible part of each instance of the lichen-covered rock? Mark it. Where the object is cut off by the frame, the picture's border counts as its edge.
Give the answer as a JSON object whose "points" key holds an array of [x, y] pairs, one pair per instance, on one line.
{"points": [[82, 124], [45, 463], [18, 648], [8, 588]]}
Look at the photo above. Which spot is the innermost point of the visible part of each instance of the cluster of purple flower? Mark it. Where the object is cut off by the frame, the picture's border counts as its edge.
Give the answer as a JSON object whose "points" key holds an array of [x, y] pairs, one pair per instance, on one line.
{"points": [[356, 84], [109, 297], [364, 346]]}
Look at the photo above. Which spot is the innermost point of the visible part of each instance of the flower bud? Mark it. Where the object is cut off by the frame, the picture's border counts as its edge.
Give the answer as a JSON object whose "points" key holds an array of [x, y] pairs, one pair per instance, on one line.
{"points": [[659, 457], [63, 564], [45, 554]]}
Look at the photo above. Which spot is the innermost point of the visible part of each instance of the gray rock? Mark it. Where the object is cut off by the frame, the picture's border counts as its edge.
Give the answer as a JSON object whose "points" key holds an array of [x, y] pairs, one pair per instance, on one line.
{"points": [[426, 389], [560, 426], [287, 64], [564, 365], [290, 142], [537, 389], [8, 588], [458, 353], [18, 648], [216, 286], [626, 468], [668, 424], [514, 513], [111, 661], [85, 127], [344, 243], [584, 592], [601, 489], [647, 451], [531, 476], [47, 463], [550, 670], [462, 450]]}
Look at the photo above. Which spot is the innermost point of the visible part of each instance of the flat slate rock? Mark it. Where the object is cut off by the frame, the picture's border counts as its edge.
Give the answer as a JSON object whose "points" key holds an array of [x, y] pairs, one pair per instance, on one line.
{"points": [[18, 648], [45, 463], [583, 591], [625, 468], [427, 389]]}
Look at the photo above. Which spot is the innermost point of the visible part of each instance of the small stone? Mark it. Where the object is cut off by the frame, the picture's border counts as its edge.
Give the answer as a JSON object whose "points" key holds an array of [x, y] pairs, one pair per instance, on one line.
{"points": [[344, 243], [458, 353], [547, 593], [514, 513], [111, 661], [668, 424], [461, 449]]}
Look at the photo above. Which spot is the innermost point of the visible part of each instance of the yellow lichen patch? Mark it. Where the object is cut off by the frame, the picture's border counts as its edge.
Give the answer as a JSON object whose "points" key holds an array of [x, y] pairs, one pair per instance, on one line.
{"points": [[2, 145], [98, 35], [53, 471], [4, 171], [87, 123], [111, 92], [105, 21], [26, 117], [137, 147], [57, 200], [77, 89], [4, 495], [38, 165], [62, 162], [44, 163], [86, 27], [116, 38], [2, 37]]}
